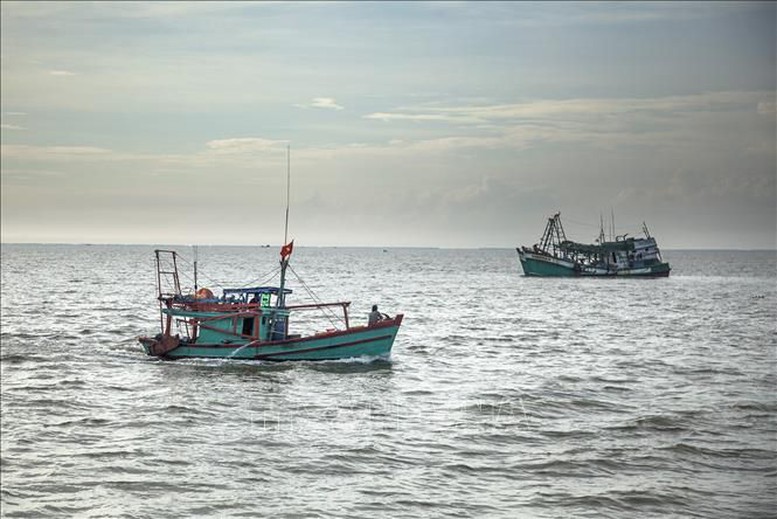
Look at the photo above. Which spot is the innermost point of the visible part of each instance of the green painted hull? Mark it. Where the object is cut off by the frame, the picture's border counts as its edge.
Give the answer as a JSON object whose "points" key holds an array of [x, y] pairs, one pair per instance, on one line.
{"points": [[532, 267], [373, 341], [546, 266]]}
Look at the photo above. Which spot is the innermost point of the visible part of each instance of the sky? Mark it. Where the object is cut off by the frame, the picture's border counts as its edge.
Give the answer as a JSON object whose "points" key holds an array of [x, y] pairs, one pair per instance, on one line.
{"points": [[440, 124]]}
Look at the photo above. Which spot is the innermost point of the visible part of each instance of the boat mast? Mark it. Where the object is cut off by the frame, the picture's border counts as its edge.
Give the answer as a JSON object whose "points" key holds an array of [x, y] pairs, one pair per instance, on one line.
{"points": [[553, 236], [288, 182], [612, 228], [195, 268], [601, 229], [285, 260]]}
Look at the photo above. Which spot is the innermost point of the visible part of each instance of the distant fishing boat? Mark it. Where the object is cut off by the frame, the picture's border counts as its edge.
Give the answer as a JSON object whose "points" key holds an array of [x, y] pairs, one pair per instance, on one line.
{"points": [[555, 256], [254, 322]]}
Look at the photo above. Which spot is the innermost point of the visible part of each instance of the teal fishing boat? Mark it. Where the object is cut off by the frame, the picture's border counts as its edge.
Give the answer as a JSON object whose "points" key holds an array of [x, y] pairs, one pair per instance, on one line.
{"points": [[555, 256], [256, 322]]}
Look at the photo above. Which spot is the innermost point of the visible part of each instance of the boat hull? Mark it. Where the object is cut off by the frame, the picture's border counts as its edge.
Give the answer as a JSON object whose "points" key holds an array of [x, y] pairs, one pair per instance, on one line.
{"points": [[362, 341], [541, 265], [535, 265]]}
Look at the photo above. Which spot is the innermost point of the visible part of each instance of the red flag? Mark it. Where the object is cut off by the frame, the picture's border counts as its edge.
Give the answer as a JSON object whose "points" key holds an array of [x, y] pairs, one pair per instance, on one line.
{"points": [[286, 250]]}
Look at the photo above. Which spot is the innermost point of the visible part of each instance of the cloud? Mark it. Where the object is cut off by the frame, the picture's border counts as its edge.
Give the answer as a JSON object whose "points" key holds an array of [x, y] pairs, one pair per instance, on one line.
{"points": [[601, 123], [569, 108], [322, 102], [101, 11], [61, 73], [30, 175], [243, 145], [233, 153], [63, 152], [383, 116]]}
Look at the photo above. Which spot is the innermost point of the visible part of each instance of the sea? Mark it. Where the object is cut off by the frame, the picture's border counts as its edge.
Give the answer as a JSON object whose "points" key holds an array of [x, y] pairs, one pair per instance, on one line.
{"points": [[504, 396]]}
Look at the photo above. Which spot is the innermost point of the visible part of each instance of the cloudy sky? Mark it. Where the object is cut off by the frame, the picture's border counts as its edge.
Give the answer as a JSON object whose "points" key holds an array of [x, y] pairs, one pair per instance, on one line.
{"points": [[410, 124]]}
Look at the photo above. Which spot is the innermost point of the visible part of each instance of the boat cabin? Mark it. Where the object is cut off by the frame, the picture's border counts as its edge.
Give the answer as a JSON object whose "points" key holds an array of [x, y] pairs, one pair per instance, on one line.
{"points": [[239, 315]]}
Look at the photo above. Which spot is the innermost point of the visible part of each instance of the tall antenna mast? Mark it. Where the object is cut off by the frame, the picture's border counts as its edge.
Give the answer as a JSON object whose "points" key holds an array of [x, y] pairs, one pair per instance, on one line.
{"points": [[288, 183], [285, 258]]}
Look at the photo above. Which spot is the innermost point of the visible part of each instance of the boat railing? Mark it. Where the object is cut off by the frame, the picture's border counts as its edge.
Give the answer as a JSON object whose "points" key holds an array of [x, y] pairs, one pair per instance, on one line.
{"points": [[314, 306], [218, 306], [234, 309]]}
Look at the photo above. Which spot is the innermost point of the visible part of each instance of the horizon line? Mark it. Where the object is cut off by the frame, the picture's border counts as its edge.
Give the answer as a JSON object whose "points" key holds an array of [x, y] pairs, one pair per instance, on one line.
{"points": [[264, 246]]}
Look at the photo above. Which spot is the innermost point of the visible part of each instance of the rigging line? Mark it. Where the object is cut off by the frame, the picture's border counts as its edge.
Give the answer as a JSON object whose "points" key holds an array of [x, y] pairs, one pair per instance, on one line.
{"points": [[310, 292], [324, 309], [566, 219], [261, 279], [265, 278], [212, 281], [333, 318]]}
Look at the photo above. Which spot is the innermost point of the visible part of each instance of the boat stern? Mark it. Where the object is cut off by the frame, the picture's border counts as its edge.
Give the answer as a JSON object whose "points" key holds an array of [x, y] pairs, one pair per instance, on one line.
{"points": [[160, 345]]}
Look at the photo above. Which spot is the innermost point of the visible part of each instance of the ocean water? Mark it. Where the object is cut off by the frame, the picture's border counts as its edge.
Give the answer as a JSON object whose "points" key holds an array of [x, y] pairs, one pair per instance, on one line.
{"points": [[505, 396]]}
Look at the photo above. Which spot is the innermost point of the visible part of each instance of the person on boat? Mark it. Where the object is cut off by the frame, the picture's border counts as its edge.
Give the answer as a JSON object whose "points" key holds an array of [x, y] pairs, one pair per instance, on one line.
{"points": [[375, 316]]}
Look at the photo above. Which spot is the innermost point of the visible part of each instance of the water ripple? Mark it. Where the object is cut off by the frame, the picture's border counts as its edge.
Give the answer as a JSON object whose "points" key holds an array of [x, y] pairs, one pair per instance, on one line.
{"points": [[505, 396]]}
